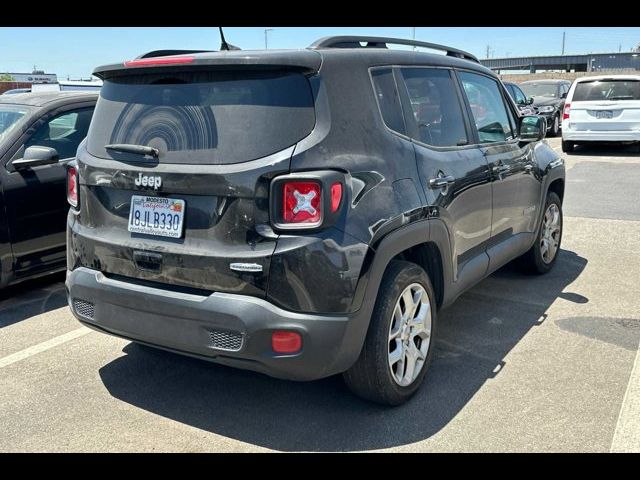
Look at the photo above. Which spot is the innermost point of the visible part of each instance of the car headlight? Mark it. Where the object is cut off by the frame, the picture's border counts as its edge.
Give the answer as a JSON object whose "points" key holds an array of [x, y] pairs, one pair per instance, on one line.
{"points": [[547, 109]]}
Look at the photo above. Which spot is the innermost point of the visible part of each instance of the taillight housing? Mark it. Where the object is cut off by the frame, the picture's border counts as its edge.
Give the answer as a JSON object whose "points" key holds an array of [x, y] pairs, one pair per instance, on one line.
{"points": [[566, 111], [72, 186], [308, 200]]}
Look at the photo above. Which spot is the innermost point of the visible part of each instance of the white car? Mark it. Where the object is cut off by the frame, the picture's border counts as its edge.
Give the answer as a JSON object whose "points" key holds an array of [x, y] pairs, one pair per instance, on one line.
{"points": [[602, 109]]}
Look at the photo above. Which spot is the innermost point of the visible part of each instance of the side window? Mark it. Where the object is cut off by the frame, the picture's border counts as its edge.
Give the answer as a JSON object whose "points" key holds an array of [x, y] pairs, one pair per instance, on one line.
{"points": [[387, 94], [63, 132], [519, 98], [493, 119], [435, 106]]}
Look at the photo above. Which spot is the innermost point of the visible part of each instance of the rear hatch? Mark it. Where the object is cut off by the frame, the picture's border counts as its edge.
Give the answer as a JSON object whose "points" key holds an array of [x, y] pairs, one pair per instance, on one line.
{"points": [[606, 105], [194, 212]]}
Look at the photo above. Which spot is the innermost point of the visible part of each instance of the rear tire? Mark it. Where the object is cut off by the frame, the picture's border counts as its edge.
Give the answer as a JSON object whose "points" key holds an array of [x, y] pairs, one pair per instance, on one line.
{"points": [[542, 256], [567, 147], [398, 347]]}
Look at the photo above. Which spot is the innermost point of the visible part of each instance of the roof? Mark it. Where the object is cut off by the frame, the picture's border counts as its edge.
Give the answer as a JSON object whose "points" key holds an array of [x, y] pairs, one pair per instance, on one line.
{"points": [[309, 60], [546, 81], [603, 77], [40, 99]]}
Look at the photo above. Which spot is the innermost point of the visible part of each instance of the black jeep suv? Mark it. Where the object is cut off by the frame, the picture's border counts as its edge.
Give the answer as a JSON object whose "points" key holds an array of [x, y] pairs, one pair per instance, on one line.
{"points": [[304, 213]]}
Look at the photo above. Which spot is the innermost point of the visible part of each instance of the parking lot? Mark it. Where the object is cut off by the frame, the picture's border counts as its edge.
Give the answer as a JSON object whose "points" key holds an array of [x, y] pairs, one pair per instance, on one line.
{"points": [[522, 363]]}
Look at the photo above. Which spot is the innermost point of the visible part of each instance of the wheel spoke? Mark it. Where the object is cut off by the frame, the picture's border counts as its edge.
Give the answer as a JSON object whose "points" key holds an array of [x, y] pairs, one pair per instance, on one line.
{"points": [[397, 354]]}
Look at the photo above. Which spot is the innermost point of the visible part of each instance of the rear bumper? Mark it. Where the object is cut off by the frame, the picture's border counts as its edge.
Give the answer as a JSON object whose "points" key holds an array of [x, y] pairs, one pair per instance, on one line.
{"points": [[230, 329], [600, 136]]}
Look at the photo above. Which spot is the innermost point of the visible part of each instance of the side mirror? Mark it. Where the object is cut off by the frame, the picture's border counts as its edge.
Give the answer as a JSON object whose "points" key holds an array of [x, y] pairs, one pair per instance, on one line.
{"points": [[35, 156], [532, 128], [564, 95], [529, 101]]}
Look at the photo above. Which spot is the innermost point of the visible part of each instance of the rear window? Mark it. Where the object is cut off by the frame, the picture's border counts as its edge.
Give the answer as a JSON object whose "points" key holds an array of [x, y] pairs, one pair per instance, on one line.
{"points": [[607, 90], [203, 117]]}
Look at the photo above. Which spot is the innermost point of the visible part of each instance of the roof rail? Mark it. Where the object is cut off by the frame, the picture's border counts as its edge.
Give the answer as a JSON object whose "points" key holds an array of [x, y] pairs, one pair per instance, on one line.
{"points": [[381, 42], [165, 53]]}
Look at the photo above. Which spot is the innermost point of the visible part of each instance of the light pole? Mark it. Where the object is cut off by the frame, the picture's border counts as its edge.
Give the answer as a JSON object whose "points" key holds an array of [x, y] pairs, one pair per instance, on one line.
{"points": [[413, 35], [266, 30]]}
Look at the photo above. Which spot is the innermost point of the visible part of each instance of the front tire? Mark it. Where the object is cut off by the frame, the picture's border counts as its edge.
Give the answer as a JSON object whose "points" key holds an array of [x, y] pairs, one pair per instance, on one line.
{"points": [[398, 347], [542, 256], [555, 126]]}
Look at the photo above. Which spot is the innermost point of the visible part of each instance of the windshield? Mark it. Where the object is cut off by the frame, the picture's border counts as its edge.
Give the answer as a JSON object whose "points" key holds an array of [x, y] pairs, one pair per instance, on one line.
{"points": [[540, 89], [607, 90], [203, 117], [10, 118]]}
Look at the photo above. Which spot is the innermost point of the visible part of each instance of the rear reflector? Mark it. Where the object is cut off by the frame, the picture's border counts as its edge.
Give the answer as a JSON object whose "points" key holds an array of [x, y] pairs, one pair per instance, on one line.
{"points": [[72, 186], [286, 342], [336, 196], [142, 62]]}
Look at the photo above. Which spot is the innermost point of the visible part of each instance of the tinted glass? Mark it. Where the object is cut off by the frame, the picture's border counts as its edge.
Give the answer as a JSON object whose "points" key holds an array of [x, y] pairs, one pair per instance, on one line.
{"points": [[492, 119], [388, 100], [63, 132], [10, 118], [607, 90], [203, 117], [519, 96], [435, 106]]}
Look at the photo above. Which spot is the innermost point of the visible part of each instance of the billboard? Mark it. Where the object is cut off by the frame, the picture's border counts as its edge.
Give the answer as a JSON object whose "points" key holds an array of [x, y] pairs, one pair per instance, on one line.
{"points": [[29, 77]]}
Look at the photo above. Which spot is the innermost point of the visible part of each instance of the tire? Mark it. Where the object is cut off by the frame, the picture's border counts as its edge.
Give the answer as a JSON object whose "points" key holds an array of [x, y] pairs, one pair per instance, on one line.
{"points": [[536, 260], [373, 377], [567, 147], [555, 126]]}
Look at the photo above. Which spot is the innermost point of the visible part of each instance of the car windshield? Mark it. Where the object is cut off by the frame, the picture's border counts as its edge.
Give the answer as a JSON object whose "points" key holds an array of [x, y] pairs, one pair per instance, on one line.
{"points": [[10, 118], [607, 90], [540, 89]]}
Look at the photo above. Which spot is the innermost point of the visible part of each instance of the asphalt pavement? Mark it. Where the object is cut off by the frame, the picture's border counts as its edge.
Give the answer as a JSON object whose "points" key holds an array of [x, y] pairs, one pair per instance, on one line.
{"points": [[522, 363]]}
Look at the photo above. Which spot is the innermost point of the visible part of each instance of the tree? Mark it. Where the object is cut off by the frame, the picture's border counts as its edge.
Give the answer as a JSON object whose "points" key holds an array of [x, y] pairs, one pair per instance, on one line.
{"points": [[5, 77], [637, 49]]}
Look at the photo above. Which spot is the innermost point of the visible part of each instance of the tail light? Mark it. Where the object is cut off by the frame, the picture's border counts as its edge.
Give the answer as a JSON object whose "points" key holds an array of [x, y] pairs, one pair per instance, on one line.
{"points": [[72, 186], [306, 201], [153, 61], [566, 111]]}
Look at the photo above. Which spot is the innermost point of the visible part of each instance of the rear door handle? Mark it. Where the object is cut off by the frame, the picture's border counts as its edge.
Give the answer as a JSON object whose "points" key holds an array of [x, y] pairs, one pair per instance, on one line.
{"points": [[441, 181]]}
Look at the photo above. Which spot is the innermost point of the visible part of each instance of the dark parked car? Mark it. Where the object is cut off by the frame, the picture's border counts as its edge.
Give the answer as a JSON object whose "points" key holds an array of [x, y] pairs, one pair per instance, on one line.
{"points": [[39, 134], [304, 213], [522, 101], [15, 91], [548, 100]]}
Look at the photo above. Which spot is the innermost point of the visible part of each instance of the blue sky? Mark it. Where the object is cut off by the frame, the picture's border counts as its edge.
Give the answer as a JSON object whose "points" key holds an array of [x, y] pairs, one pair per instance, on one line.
{"points": [[73, 51]]}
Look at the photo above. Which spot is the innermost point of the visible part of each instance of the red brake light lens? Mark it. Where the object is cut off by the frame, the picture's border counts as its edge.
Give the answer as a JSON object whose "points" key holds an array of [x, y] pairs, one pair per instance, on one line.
{"points": [[336, 196], [286, 342], [301, 202], [144, 62], [566, 111], [72, 186]]}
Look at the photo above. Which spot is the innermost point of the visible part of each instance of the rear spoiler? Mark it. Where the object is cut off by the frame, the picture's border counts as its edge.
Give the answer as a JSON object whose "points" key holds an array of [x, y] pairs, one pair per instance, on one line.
{"points": [[306, 61]]}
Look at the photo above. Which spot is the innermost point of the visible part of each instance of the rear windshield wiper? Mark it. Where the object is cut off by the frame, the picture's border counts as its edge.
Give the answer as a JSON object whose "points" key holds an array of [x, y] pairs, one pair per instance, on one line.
{"points": [[137, 149]]}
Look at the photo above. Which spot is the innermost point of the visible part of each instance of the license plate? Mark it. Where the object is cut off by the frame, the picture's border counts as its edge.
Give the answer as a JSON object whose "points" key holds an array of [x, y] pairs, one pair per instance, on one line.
{"points": [[604, 114], [156, 216]]}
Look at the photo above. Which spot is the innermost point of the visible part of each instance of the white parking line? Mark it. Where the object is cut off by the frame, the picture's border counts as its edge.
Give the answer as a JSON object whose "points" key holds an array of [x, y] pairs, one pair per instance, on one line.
{"points": [[627, 435], [41, 347]]}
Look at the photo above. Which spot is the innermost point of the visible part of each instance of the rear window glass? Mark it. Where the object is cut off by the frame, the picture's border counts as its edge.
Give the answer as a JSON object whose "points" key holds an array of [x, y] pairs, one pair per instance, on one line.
{"points": [[607, 90], [203, 117], [388, 99]]}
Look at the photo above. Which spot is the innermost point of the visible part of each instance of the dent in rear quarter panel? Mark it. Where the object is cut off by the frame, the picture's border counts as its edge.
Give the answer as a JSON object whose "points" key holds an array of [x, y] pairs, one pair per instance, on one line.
{"points": [[321, 273]]}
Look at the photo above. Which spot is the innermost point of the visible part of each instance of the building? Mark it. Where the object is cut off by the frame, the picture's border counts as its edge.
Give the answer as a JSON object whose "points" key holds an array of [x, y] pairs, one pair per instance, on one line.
{"points": [[9, 81], [592, 62]]}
